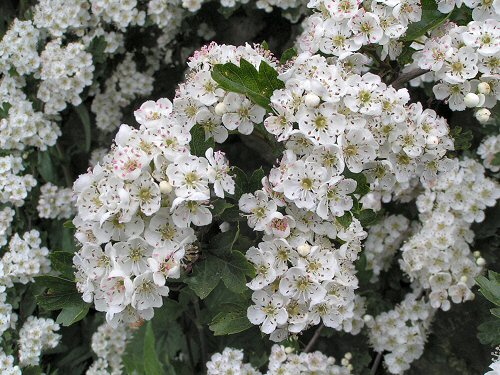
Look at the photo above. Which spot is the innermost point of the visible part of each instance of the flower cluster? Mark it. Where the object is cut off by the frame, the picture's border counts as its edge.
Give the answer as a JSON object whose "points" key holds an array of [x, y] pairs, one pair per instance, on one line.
{"points": [[18, 48], [402, 332], [36, 335], [438, 254], [125, 85], [55, 202], [24, 259], [465, 63], [489, 150], [383, 241], [341, 27], [140, 204], [65, 72], [7, 364], [331, 119], [6, 217], [121, 13], [59, 16], [108, 344], [14, 188], [8, 318], [281, 361], [481, 10], [23, 126]]}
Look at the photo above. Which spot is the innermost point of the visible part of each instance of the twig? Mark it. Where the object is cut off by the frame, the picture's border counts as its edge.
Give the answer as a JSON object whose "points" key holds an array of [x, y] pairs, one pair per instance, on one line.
{"points": [[315, 338], [399, 82], [188, 344], [199, 327], [67, 174], [374, 368]]}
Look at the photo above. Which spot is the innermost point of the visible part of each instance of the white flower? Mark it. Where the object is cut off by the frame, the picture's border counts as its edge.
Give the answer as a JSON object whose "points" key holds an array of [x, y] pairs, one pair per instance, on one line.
{"points": [[333, 197], [303, 183], [269, 310], [259, 208], [296, 283], [359, 147], [189, 175], [321, 124], [241, 114], [146, 293]]}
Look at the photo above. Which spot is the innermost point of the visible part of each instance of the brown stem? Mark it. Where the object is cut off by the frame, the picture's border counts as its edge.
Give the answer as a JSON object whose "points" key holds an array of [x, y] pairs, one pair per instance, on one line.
{"points": [[315, 338], [399, 82], [374, 368]]}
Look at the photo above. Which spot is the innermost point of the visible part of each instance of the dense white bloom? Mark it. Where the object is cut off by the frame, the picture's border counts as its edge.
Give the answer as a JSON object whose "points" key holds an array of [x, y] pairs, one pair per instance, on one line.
{"points": [[55, 202], [281, 361], [36, 335]]}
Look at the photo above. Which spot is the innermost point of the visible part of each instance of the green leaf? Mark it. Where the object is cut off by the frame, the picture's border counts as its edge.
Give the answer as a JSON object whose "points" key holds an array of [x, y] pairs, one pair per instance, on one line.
{"points": [[431, 18], [69, 224], [268, 79], [255, 180], [489, 288], [345, 220], [222, 243], [240, 182], [45, 167], [363, 273], [461, 139], [235, 272], [257, 85], [62, 262], [205, 277], [496, 159], [4, 110], [362, 186], [198, 142], [152, 365], [59, 293], [96, 49], [265, 45], [233, 320], [288, 55], [368, 217], [489, 332], [219, 206], [496, 312], [245, 184], [73, 314], [83, 114]]}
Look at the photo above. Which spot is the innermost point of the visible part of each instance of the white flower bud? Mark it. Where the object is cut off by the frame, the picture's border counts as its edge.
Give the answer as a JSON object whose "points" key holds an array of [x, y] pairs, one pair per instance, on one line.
{"points": [[350, 367], [484, 88], [476, 254], [432, 140], [344, 362], [367, 318], [165, 187], [304, 250], [480, 262], [311, 100], [483, 115], [464, 279], [482, 99], [288, 350], [348, 356], [220, 108], [471, 100], [224, 227]]}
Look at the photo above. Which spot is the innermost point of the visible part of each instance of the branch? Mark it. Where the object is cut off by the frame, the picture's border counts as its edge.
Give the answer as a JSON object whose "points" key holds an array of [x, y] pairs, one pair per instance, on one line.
{"points": [[201, 334], [399, 82], [374, 368], [315, 338]]}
